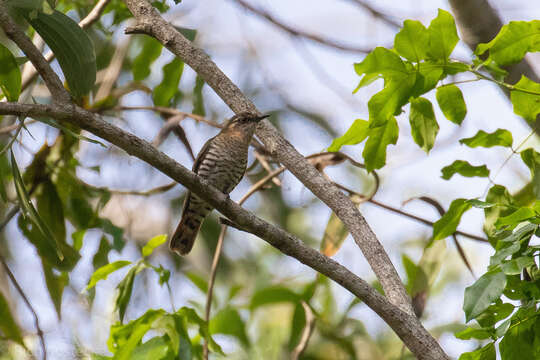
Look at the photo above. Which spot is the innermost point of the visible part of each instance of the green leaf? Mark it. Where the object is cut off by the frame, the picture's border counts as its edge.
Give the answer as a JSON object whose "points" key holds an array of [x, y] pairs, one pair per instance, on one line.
{"points": [[123, 339], [463, 168], [531, 158], [448, 223], [273, 295], [198, 281], [379, 138], [521, 341], [366, 80], [384, 62], [49, 206], [157, 348], [8, 326], [515, 266], [428, 75], [73, 49], [153, 243], [298, 323], [355, 135], [388, 102], [474, 333], [228, 321], [29, 211], [497, 194], [125, 288], [525, 104], [55, 286], [512, 42], [424, 127], [500, 137], [503, 252], [488, 288], [451, 102], [103, 272], [480, 204], [412, 41], [188, 33], [516, 217], [10, 75], [165, 91], [192, 317], [150, 51], [442, 36], [198, 100], [78, 237], [485, 353], [398, 84], [495, 313], [101, 257]]}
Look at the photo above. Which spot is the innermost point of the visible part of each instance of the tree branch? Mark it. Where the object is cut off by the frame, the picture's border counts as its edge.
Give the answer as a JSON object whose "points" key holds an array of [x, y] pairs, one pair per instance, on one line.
{"points": [[301, 33], [406, 325], [150, 22]]}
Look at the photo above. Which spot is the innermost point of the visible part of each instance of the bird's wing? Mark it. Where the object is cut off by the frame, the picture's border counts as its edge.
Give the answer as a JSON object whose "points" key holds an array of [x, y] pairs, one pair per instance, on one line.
{"points": [[201, 155]]}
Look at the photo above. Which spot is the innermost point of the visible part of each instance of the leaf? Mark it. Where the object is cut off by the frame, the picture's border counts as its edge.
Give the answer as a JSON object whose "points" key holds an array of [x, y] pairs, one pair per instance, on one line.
{"points": [[398, 84], [198, 100], [451, 102], [165, 91], [497, 194], [334, 235], [442, 36], [28, 210], [298, 323], [500, 137], [379, 138], [78, 237], [480, 204], [504, 252], [228, 321], [73, 49], [531, 158], [10, 75], [8, 326], [495, 313], [474, 333], [424, 127], [525, 104], [516, 217], [198, 281], [463, 168], [49, 206], [123, 339], [388, 102], [448, 223], [412, 41], [153, 243], [150, 51], [125, 288], [101, 257], [512, 42], [103, 272], [428, 75], [188, 33], [515, 266], [521, 341], [355, 135], [55, 286], [273, 295], [157, 348], [485, 353], [488, 288], [192, 317]]}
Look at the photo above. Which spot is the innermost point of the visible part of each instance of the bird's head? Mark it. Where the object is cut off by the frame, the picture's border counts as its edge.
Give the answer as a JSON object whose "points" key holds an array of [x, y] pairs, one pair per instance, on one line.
{"points": [[244, 121]]}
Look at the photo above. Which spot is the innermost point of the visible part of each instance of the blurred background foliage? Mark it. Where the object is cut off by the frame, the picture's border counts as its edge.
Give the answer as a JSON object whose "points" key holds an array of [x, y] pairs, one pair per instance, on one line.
{"points": [[295, 60]]}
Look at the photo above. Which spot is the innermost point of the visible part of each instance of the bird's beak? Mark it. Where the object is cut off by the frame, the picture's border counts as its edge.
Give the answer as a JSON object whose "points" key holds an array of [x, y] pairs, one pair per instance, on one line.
{"points": [[262, 117]]}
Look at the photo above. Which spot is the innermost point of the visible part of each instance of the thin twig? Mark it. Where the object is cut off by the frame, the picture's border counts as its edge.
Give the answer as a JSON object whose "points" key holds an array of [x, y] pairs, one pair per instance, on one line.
{"points": [[27, 302], [376, 13], [301, 33], [306, 333], [169, 111]]}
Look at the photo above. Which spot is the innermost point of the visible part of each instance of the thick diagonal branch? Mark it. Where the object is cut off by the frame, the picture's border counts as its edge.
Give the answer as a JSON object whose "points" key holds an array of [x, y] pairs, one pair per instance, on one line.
{"points": [[404, 324], [150, 22]]}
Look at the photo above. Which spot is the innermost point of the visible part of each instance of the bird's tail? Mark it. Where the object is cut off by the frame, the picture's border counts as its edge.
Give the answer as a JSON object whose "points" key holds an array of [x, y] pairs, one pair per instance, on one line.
{"points": [[184, 237]]}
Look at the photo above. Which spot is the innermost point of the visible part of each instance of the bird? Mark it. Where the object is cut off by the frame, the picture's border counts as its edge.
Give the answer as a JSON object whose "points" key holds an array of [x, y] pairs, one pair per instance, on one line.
{"points": [[222, 161]]}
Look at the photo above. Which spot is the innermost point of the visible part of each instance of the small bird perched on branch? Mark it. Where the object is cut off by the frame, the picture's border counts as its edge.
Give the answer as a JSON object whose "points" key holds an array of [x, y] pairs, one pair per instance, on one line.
{"points": [[222, 162]]}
